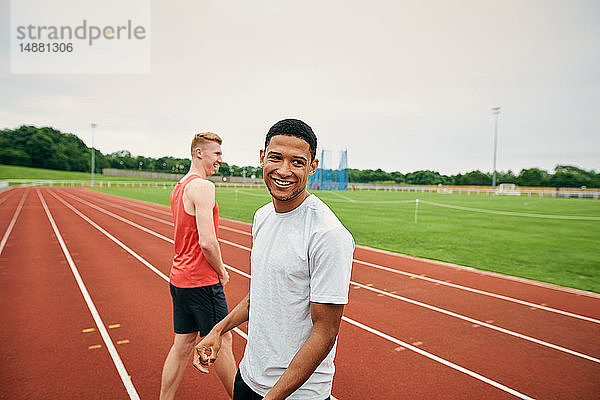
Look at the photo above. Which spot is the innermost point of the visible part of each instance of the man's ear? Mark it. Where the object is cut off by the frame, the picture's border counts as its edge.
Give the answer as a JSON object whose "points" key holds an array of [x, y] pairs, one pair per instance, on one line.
{"points": [[198, 152], [262, 158], [313, 166]]}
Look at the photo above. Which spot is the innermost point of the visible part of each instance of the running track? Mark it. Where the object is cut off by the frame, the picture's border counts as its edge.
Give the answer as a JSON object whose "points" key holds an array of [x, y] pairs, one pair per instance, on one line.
{"points": [[413, 329]]}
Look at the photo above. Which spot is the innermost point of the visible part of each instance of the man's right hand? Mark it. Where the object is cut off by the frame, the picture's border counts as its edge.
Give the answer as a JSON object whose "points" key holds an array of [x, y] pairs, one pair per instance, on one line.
{"points": [[206, 352], [224, 278]]}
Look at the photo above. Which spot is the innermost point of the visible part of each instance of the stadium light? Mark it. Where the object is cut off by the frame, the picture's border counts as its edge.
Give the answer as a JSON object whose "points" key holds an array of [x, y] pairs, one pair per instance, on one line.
{"points": [[496, 112], [94, 125]]}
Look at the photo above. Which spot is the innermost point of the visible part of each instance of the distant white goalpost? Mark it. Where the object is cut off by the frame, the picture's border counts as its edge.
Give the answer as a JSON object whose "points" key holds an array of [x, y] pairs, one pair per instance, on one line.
{"points": [[508, 189]]}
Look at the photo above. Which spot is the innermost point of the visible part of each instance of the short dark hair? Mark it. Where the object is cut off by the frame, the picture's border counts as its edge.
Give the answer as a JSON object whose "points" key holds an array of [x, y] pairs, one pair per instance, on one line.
{"points": [[297, 128]]}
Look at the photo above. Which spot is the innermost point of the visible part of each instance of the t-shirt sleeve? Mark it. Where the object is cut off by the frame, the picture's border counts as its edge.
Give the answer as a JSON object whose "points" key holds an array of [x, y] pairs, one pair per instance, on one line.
{"points": [[330, 263]]}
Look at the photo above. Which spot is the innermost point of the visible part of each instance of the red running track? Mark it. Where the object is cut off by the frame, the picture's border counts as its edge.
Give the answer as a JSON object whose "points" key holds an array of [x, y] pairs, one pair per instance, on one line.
{"points": [[413, 329]]}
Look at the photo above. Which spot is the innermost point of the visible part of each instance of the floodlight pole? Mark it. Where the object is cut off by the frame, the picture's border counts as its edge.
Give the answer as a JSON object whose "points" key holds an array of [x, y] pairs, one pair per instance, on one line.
{"points": [[496, 112], [94, 125]]}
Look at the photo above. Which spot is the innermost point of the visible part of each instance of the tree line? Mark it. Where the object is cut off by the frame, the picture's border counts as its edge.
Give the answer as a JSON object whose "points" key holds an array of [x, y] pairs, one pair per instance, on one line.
{"points": [[52, 149], [563, 176]]}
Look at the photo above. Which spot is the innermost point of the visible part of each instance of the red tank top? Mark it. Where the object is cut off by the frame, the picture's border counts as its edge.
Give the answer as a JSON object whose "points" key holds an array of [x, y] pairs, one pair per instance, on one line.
{"points": [[190, 268]]}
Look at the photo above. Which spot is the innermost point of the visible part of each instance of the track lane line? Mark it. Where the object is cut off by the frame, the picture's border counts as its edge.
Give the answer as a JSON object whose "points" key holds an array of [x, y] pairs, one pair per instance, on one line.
{"points": [[130, 201], [127, 249], [12, 222], [478, 322], [437, 359], [449, 284], [164, 221], [481, 292], [4, 198], [513, 213], [348, 320], [445, 264], [467, 288], [397, 297], [88, 300], [463, 317], [122, 219], [240, 332]]}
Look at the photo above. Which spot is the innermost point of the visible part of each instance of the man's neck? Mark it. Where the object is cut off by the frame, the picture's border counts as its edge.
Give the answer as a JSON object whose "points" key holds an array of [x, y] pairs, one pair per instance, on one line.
{"points": [[195, 170], [289, 205]]}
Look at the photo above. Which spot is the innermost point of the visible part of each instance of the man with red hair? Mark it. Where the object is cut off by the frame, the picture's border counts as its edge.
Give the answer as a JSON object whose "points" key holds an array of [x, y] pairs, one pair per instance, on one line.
{"points": [[198, 273]]}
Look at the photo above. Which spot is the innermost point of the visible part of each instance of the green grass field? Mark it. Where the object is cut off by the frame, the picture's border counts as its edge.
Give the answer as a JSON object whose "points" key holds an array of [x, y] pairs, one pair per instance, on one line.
{"points": [[560, 251], [17, 172]]}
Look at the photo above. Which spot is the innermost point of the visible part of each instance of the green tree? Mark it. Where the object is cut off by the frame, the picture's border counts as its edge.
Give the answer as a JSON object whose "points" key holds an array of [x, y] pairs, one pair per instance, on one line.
{"points": [[533, 177], [506, 177], [9, 155], [41, 149], [426, 177], [398, 177], [473, 178]]}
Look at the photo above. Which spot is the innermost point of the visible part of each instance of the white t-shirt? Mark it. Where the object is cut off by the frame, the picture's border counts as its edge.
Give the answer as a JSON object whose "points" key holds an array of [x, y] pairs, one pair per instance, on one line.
{"points": [[298, 257]]}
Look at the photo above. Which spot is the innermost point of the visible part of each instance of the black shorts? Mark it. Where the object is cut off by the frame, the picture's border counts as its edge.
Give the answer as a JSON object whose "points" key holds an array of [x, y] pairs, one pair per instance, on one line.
{"points": [[241, 391], [198, 309]]}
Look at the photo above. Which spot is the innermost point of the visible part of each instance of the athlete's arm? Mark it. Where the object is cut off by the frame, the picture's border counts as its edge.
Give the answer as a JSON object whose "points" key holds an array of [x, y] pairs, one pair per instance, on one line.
{"points": [[326, 324], [212, 341], [202, 194]]}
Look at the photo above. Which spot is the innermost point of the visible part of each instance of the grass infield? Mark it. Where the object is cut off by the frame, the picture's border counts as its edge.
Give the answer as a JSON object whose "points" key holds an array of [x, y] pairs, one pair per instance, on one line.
{"points": [[17, 172], [556, 250]]}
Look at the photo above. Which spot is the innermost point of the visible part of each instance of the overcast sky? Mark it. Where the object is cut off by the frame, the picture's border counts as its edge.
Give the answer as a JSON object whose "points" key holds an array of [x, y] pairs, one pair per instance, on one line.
{"points": [[403, 85]]}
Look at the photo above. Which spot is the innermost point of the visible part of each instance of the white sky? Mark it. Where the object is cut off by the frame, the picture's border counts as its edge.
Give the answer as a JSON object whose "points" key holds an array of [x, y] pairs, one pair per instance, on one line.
{"points": [[403, 85]]}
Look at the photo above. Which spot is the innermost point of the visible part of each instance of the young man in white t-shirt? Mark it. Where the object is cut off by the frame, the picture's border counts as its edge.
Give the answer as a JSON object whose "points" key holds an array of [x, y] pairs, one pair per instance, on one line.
{"points": [[301, 262]]}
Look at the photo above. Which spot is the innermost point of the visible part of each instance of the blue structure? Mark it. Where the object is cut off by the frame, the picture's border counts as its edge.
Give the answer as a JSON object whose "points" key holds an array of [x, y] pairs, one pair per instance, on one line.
{"points": [[332, 173]]}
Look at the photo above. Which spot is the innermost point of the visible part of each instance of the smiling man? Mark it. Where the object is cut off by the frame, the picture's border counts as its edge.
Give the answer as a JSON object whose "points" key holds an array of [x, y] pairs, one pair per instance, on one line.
{"points": [[197, 273], [301, 262]]}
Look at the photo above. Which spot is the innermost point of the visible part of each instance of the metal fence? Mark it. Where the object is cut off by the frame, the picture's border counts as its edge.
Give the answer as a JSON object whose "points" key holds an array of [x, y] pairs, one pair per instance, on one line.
{"points": [[580, 193]]}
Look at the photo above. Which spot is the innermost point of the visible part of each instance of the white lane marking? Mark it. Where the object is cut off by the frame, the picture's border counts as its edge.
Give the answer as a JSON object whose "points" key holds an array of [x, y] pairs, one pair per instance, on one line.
{"points": [[436, 358], [149, 231], [239, 246], [143, 228], [340, 195], [467, 288], [482, 292], [461, 287], [130, 201], [444, 283], [456, 266], [401, 298], [460, 316], [12, 222], [164, 221], [450, 265], [133, 253], [4, 198], [475, 321], [146, 215], [241, 333], [111, 237], [512, 213], [142, 214], [88, 300], [234, 230], [351, 321], [482, 272], [266, 196]]}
